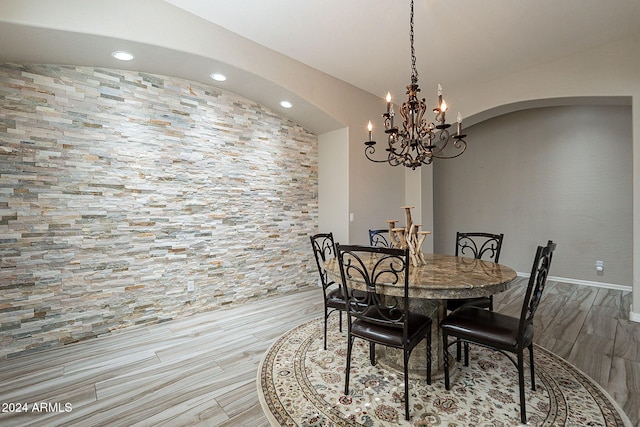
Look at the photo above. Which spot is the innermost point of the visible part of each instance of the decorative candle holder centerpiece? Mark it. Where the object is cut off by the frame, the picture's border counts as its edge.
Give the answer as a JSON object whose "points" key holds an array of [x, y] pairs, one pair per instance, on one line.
{"points": [[408, 237]]}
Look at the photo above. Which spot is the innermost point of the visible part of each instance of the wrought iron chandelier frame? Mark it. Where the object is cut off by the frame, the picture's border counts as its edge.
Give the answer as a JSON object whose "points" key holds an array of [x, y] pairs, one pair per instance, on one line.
{"points": [[418, 141]]}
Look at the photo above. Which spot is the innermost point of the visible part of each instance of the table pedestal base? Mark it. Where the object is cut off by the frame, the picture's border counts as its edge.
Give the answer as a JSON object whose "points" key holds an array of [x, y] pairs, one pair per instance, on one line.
{"points": [[392, 358]]}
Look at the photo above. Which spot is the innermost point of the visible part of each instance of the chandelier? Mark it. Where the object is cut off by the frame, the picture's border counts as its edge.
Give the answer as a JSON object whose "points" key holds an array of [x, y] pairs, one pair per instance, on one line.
{"points": [[417, 142]]}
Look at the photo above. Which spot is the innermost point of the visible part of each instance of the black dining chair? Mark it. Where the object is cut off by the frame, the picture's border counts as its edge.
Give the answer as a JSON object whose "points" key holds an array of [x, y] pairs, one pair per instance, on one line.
{"points": [[485, 246], [381, 321], [380, 237], [505, 334], [477, 245], [324, 249]]}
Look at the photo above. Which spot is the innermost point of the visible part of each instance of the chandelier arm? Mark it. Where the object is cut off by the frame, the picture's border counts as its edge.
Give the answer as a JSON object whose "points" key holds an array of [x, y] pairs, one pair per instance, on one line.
{"points": [[444, 137], [370, 150], [460, 144], [427, 160], [393, 159], [395, 162]]}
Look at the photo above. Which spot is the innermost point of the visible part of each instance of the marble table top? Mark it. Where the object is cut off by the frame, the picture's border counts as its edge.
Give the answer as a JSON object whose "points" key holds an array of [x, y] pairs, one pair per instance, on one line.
{"points": [[445, 277]]}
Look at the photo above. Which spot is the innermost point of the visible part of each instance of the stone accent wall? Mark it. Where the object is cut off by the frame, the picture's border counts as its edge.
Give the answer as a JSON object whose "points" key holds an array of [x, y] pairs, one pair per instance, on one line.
{"points": [[119, 189]]}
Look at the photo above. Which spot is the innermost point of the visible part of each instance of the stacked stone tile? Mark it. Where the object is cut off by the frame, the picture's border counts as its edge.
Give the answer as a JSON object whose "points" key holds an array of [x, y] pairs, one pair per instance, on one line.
{"points": [[119, 188]]}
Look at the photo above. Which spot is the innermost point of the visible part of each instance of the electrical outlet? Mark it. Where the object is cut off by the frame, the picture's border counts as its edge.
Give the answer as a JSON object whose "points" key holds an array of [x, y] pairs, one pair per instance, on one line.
{"points": [[599, 265], [190, 286]]}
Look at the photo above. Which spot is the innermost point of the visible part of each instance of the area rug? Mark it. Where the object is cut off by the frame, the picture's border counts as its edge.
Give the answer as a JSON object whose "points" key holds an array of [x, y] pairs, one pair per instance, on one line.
{"points": [[300, 384]]}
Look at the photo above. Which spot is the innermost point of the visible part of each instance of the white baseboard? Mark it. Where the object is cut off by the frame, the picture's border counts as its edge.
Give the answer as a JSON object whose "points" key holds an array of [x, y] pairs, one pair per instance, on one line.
{"points": [[586, 283], [634, 317]]}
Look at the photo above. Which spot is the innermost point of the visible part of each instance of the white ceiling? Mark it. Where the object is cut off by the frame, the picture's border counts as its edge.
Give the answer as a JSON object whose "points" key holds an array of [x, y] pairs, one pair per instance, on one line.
{"points": [[363, 42], [366, 42]]}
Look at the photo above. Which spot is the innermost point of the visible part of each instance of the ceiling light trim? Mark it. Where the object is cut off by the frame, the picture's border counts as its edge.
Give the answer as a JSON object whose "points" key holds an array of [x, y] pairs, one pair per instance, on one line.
{"points": [[219, 77], [122, 55]]}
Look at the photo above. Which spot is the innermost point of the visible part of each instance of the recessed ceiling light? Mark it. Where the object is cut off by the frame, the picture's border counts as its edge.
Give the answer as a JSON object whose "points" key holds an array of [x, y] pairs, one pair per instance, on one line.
{"points": [[286, 104], [122, 55], [218, 77]]}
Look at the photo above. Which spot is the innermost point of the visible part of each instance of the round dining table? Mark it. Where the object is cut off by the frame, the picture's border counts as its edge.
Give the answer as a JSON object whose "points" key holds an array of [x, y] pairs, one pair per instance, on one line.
{"points": [[440, 278]]}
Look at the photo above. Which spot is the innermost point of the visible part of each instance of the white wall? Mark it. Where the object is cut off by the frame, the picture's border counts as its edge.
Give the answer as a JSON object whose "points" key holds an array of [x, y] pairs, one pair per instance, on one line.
{"points": [[333, 173], [376, 190], [418, 190]]}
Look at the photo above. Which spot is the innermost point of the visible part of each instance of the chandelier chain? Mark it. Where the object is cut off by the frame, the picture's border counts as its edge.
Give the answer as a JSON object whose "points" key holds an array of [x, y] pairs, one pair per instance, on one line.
{"points": [[414, 70]]}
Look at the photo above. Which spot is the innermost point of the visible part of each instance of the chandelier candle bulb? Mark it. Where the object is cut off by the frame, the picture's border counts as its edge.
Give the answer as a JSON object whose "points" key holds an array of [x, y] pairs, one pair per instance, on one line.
{"points": [[370, 127], [388, 101], [459, 124]]}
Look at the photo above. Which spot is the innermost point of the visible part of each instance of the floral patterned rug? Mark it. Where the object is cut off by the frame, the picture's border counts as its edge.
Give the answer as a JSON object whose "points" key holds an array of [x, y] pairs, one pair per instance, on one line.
{"points": [[300, 384]]}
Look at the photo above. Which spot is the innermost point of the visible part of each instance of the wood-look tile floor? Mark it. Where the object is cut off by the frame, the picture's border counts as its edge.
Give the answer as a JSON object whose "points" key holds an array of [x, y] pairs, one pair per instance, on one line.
{"points": [[202, 370]]}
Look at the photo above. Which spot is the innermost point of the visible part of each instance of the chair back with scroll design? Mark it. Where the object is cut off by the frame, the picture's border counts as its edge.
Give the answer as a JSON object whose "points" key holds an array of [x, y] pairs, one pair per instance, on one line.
{"points": [[485, 246], [506, 334], [377, 318], [380, 237], [535, 287], [324, 249], [479, 245], [370, 266]]}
